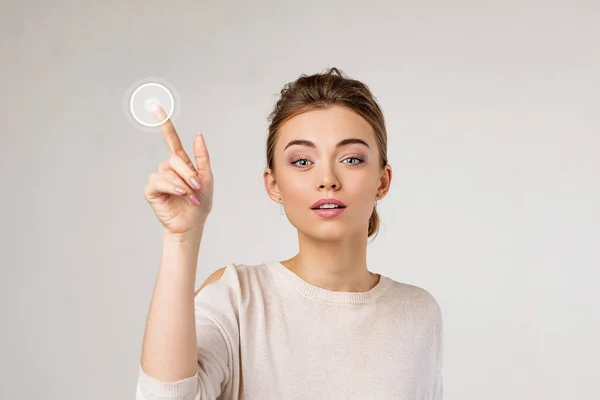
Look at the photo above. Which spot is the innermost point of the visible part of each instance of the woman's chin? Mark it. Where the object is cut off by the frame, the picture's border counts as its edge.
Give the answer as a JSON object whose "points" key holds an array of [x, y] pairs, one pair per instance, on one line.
{"points": [[332, 232]]}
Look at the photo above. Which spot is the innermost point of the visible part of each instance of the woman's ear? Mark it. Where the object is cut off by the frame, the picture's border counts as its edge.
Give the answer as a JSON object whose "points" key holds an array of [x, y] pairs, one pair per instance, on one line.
{"points": [[271, 186], [384, 182]]}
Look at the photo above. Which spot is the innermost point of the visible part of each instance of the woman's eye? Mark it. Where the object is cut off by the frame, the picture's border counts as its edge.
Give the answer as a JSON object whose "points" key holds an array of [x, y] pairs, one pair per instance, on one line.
{"points": [[357, 160], [295, 162]]}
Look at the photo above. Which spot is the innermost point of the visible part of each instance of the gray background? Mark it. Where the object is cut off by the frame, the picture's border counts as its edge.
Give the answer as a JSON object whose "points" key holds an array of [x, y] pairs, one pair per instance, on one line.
{"points": [[492, 110]]}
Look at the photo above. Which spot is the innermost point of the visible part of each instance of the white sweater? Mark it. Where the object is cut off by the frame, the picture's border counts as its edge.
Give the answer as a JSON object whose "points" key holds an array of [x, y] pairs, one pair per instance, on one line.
{"points": [[264, 333]]}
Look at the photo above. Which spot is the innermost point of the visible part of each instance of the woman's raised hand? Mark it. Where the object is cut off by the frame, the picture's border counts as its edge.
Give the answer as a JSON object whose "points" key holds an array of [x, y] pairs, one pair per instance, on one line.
{"points": [[180, 193]]}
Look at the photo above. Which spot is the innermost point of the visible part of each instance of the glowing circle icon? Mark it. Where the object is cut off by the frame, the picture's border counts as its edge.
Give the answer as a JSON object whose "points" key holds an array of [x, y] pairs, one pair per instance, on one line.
{"points": [[144, 97], [138, 102]]}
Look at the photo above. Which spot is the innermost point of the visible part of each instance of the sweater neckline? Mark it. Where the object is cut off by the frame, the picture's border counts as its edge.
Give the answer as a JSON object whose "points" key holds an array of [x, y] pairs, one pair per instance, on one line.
{"points": [[330, 296]]}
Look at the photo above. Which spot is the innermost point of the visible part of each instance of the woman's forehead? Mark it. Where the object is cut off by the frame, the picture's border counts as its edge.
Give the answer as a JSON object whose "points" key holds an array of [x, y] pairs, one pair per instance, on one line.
{"points": [[325, 127]]}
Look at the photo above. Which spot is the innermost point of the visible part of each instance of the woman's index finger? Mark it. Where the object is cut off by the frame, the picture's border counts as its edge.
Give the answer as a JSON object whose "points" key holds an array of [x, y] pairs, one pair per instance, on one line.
{"points": [[168, 130]]}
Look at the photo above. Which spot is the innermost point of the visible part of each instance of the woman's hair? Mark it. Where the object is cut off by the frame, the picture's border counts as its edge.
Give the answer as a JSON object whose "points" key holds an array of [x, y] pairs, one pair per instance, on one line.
{"points": [[323, 90]]}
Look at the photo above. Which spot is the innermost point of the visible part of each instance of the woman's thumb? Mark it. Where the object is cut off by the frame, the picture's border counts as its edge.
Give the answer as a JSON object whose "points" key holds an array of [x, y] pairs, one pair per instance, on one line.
{"points": [[201, 153]]}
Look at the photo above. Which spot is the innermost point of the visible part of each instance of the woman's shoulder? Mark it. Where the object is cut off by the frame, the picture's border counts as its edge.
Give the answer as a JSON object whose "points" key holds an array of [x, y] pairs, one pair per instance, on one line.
{"points": [[415, 296], [237, 276], [247, 271]]}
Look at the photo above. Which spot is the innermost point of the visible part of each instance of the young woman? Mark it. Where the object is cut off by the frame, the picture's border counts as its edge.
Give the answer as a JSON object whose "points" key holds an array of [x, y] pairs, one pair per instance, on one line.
{"points": [[319, 325]]}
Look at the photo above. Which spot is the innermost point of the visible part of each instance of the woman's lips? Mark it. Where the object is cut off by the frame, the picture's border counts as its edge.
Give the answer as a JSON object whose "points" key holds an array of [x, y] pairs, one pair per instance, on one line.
{"points": [[329, 212]]}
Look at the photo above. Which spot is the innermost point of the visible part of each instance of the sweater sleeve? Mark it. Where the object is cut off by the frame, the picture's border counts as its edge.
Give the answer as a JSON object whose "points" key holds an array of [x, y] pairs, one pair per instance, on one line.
{"points": [[217, 339], [436, 388]]}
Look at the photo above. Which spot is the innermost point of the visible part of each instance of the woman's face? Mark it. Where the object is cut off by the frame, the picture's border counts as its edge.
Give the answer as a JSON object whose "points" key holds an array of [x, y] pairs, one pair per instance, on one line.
{"points": [[328, 153]]}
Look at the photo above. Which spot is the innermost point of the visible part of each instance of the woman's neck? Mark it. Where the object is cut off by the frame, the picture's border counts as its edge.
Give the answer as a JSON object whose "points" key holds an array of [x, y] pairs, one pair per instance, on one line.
{"points": [[337, 266]]}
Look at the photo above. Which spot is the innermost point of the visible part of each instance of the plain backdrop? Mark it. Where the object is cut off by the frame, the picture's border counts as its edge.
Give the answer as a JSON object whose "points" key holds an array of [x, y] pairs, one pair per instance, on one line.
{"points": [[494, 134]]}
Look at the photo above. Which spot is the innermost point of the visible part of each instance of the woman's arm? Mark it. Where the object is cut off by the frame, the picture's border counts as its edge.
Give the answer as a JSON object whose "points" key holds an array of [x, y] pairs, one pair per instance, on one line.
{"points": [[436, 389], [169, 350]]}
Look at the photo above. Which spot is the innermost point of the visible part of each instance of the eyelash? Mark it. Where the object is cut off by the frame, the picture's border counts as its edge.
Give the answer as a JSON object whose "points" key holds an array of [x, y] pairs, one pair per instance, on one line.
{"points": [[347, 158]]}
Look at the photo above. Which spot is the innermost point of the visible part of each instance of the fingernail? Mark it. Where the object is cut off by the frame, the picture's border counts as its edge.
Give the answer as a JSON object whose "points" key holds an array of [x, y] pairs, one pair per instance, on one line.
{"points": [[195, 182], [194, 200], [179, 190], [155, 107]]}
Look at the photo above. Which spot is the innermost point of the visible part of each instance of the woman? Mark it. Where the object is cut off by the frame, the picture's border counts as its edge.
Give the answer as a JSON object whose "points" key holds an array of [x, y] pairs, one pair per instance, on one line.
{"points": [[319, 325]]}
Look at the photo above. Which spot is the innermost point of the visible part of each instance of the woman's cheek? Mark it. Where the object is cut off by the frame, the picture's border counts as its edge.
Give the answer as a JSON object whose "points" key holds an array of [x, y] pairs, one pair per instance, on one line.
{"points": [[299, 188]]}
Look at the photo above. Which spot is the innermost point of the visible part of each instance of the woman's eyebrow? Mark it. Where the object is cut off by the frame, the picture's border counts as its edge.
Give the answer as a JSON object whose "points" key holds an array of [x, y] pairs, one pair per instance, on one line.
{"points": [[308, 143]]}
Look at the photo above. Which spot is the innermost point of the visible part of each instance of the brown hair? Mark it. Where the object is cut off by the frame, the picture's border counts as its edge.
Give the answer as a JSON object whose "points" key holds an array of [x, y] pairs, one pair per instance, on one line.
{"points": [[323, 90]]}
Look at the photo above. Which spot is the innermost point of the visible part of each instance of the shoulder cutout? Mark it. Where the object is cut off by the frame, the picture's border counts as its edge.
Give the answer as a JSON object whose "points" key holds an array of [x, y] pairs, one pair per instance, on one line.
{"points": [[215, 276]]}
